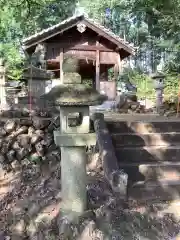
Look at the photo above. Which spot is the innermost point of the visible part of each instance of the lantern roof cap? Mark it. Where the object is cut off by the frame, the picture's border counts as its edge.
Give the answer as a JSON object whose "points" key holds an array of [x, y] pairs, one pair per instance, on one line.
{"points": [[73, 95]]}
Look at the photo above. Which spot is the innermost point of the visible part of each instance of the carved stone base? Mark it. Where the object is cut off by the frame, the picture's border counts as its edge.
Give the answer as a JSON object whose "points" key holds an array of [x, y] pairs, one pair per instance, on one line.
{"points": [[70, 228]]}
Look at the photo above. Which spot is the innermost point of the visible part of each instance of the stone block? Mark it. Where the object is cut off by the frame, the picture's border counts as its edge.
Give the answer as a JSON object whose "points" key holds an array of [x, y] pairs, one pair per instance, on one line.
{"points": [[73, 139], [83, 127]]}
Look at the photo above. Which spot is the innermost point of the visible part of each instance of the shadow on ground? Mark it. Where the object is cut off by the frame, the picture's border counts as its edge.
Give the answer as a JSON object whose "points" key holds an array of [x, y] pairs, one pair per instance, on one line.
{"points": [[30, 209], [30, 201]]}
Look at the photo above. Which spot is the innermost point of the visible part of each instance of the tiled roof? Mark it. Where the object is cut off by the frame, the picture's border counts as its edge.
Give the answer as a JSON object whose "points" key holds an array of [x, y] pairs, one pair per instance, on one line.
{"points": [[60, 25], [110, 33], [34, 36]]}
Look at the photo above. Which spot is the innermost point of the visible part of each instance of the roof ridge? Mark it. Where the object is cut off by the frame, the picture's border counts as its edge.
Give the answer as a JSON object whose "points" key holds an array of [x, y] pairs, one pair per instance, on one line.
{"points": [[91, 21], [109, 31], [53, 27]]}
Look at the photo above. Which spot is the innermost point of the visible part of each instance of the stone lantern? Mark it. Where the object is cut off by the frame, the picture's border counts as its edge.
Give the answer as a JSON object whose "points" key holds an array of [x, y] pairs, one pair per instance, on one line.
{"points": [[73, 100], [158, 80]]}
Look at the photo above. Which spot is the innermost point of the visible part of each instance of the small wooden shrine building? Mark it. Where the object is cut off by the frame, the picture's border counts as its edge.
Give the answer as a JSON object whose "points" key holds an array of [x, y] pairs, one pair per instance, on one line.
{"points": [[96, 48]]}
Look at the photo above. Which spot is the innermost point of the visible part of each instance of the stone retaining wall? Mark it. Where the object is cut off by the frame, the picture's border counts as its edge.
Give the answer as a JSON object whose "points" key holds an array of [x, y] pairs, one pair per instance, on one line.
{"points": [[116, 177], [29, 139]]}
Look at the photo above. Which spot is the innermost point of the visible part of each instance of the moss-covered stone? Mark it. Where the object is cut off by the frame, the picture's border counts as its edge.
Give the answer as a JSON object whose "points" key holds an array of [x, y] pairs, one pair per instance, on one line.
{"points": [[71, 78], [70, 64], [70, 94]]}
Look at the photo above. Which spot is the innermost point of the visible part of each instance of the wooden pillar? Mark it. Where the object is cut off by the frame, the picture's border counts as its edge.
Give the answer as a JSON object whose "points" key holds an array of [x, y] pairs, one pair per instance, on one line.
{"points": [[97, 68], [61, 65], [116, 72], [119, 63], [117, 66], [2, 83], [106, 74]]}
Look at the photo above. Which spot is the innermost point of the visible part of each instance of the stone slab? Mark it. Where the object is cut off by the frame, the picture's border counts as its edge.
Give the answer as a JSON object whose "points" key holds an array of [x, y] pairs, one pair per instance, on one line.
{"points": [[66, 113], [74, 140]]}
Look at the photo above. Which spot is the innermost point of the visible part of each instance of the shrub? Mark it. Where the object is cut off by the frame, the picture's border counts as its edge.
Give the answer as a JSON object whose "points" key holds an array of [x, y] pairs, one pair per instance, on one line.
{"points": [[145, 88]]}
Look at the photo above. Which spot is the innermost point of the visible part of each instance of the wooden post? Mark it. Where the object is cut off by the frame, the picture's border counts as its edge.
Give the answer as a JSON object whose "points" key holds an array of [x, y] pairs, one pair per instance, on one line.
{"points": [[61, 65], [106, 75], [97, 68], [2, 83], [117, 66], [116, 73], [119, 62]]}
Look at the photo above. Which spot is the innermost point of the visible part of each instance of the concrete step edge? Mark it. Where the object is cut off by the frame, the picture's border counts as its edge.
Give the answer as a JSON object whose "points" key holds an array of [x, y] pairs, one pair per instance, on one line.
{"points": [[156, 183], [144, 134], [149, 164], [174, 147], [114, 118], [136, 145]]}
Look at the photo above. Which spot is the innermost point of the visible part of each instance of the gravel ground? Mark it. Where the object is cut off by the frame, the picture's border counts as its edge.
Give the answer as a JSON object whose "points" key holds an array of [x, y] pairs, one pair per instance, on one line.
{"points": [[30, 200]]}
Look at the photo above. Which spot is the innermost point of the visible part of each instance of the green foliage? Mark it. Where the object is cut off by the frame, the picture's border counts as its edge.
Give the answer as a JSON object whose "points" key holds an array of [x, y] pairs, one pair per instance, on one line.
{"points": [[171, 86], [142, 81], [9, 51], [151, 25], [20, 19], [13, 60], [87, 82], [145, 87]]}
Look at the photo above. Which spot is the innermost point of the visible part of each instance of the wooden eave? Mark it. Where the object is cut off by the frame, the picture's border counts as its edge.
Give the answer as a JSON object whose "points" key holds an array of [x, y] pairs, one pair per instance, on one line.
{"points": [[72, 22]]}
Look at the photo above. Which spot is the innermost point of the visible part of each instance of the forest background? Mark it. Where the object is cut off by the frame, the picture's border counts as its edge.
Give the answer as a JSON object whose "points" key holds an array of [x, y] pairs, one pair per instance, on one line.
{"points": [[152, 26]]}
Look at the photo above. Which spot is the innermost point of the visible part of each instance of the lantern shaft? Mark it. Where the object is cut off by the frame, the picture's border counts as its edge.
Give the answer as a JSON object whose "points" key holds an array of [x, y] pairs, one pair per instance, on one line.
{"points": [[73, 178]]}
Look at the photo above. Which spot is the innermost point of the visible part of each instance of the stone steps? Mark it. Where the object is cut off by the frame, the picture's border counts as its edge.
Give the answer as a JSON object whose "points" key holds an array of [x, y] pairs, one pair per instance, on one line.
{"points": [[147, 139], [154, 171], [160, 190], [143, 127], [149, 152]]}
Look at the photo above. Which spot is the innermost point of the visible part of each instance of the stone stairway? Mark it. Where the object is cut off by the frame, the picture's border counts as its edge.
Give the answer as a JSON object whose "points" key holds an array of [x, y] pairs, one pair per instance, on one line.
{"points": [[149, 152]]}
